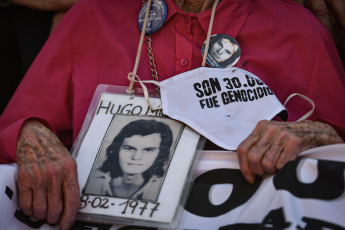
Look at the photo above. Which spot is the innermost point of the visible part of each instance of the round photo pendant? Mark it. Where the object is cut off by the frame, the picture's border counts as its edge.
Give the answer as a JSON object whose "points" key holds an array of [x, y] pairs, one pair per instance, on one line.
{"points": [[224, 51], [158, 14]]}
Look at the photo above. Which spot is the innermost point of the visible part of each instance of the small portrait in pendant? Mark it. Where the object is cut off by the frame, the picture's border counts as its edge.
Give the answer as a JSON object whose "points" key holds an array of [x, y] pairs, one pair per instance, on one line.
{"points": [[224, 51]]}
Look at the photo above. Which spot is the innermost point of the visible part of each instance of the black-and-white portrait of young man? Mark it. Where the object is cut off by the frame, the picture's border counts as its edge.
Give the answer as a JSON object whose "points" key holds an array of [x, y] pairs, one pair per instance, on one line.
{"points": [[224, 51], [134, 157]]}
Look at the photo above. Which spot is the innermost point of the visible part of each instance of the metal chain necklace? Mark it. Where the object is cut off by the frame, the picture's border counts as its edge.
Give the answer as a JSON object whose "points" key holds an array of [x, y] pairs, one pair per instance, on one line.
{"points": [[153, 67], [152, 63], [150, 51]]}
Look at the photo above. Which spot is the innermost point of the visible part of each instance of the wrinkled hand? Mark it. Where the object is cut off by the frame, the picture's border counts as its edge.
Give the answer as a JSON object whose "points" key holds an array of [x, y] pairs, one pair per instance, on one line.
{"points": [[47, 176], [46, 5], [332, 15], [272, 144]]}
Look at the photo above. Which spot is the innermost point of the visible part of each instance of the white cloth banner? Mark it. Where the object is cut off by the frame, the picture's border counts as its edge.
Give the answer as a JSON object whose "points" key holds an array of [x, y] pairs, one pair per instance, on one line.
{"points": [[307, 194]]}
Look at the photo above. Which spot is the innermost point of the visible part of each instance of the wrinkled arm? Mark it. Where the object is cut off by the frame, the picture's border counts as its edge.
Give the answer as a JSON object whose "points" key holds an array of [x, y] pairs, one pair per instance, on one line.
{"points": [[272, 144], [39, 96], [331, 13], [46, 5], [323, 9], [47, 176]]}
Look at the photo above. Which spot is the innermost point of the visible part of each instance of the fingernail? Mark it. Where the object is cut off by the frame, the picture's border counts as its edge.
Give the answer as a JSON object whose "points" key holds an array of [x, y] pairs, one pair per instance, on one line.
{"points": [[251, 179], [65, 227]]}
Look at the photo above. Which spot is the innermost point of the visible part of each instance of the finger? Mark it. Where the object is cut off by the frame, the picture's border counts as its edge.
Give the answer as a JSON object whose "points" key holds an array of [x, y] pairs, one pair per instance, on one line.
{"points": [[40, 196], [242, 153], [256, 154], [71, 196], [339, 9], [321, 11], [25, 200], [55, 204], [272, 155], [271, 158], [25, 193], [290, 152], [246, 169]]}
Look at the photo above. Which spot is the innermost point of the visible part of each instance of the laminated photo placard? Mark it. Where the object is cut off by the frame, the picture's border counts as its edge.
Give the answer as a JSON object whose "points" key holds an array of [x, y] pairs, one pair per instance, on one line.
{"points": [[134, 164]]}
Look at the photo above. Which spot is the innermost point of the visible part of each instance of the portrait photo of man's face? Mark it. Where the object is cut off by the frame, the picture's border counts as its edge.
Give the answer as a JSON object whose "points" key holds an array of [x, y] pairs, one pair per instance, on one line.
{"points": [[138, 153], [134, 166], [224, 51], [134, 157]]}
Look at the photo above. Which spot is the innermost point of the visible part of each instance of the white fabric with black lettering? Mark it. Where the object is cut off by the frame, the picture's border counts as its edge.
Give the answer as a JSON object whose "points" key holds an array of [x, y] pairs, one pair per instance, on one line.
{"points": [[222, 104], [307, 193]]}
